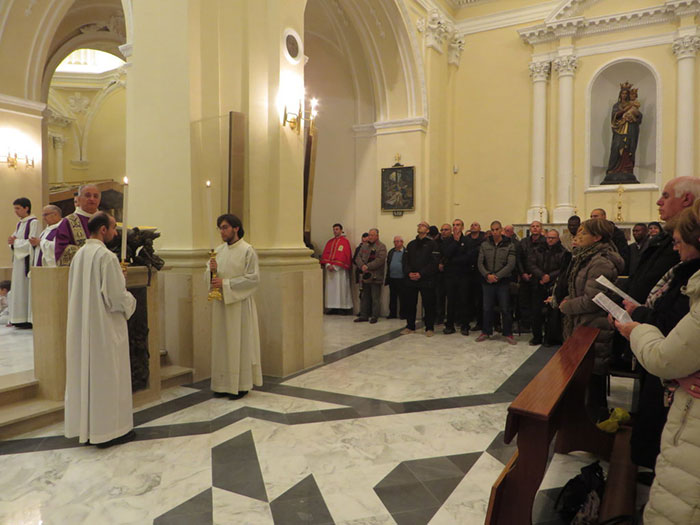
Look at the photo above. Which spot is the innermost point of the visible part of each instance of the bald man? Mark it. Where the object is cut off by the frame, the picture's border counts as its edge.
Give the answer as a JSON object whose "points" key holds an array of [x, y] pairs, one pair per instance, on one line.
{"points": [[73, 230], [45, 244]]}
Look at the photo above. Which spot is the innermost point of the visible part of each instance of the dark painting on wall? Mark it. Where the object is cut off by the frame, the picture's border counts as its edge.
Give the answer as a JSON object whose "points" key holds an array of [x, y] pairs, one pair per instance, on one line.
{"points": [[398, 188]]}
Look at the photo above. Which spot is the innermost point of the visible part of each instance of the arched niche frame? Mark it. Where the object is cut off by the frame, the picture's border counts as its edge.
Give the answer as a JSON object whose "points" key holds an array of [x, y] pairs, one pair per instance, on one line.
{"points": [[602, 94]]}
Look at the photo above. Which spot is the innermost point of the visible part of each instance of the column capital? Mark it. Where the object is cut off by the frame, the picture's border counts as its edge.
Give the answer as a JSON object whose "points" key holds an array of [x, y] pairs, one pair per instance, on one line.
{"points": [[539, 71], [686, 46], [436, 29], [454, 49], [565, 65]]}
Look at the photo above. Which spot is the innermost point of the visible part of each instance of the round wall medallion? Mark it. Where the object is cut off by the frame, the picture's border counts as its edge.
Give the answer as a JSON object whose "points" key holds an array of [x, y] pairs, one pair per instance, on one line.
{"points": [[292, 46]]}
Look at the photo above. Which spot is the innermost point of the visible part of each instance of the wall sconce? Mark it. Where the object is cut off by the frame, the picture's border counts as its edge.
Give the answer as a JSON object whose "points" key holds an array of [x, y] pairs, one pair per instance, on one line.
{"points": [[294, 119], [13, 160]]}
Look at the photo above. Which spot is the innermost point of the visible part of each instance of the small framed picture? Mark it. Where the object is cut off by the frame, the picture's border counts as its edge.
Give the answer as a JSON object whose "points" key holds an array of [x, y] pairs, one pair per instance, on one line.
{"points": [[398, 188]]}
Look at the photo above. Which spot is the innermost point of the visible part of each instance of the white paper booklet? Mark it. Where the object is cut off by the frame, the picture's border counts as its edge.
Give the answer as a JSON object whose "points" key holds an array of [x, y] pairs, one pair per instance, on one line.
{"points": [[609, 306], [610, 286]]}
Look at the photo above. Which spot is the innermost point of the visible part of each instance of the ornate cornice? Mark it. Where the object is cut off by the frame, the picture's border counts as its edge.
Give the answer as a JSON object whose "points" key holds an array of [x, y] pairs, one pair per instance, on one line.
{"points": [[56, 119], [454, 49], [562, 22], [539, 71], [686, 46], [565, 65]]}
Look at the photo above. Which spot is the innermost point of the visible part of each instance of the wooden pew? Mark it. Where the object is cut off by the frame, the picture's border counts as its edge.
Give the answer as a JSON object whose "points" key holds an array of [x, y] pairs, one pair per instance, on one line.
{"points": [[552, 403]]}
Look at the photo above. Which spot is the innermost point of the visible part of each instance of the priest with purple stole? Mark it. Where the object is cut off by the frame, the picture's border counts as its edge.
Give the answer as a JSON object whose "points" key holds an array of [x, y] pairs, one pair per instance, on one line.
{"points": [[44, 245], [22, 258], [72, 231]]}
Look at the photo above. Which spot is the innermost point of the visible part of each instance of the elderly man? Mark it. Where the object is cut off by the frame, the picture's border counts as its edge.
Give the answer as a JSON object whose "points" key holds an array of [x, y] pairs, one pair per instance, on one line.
{"points": [[618, 238], [421, 265], [370, 260], [337, 261], [545, 261], [22, 258], [98, 371], [444, 242], [396, 278], [45, 244], [473, 297], [455, 260], [72, 230], [654, 263]]}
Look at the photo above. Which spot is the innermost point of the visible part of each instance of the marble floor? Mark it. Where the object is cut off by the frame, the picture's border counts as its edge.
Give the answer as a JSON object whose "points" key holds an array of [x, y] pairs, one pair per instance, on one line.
{"points": [[16, 350], [391, 429]]}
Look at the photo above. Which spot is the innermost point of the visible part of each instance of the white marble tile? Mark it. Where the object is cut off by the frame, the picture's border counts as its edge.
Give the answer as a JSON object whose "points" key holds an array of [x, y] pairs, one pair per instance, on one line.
{"points": [[168, 395], [16, 350], [234, 509], [415, 367], [216, 407], [340, 331]]}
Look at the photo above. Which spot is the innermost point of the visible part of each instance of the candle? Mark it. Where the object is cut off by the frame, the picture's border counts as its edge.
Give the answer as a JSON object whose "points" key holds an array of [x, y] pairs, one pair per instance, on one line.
{"points": [[210, 217], [125, 193]]}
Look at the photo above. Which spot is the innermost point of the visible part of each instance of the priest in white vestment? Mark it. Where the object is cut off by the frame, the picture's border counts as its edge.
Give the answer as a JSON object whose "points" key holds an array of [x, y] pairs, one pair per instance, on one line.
{"points": [[22, 258], [98, 404], [337, 261], [45, 244], [235, 352]]}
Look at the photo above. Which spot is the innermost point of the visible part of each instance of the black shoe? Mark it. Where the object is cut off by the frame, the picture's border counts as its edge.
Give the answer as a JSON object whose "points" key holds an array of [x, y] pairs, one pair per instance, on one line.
{"points": [[391, 317], [478, 328], [372, 320], [23, 326], [129, 436], [464, 331], [220, 394], [241, 393], [535, 342], [361, 320], [448, 330]]}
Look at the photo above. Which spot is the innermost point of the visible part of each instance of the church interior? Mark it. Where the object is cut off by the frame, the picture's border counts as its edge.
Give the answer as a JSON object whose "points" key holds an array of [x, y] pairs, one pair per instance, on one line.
{"points": [[289, 113]]}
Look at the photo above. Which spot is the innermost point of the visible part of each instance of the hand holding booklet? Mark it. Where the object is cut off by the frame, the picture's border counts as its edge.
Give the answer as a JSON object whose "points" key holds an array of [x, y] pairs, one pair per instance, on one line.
{"points": [[610, 286], [613, 309]]}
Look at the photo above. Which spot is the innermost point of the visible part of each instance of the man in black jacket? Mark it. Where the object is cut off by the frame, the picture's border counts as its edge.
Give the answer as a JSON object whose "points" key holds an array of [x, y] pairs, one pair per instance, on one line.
{"points": [[526, 282], [444, 240], [545, 263], [455, 259], [420, 265], [473, 295]]}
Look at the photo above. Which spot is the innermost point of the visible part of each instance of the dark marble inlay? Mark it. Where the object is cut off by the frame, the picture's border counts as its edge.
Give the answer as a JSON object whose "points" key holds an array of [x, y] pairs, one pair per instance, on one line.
{"points": [[196, 510], [301, 504], [235, 467], [500, 450]]}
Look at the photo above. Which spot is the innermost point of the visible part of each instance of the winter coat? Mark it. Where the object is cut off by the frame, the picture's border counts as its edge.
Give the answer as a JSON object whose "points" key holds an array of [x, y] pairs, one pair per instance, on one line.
{"points": [[527, 246], [497, 259], [374, 256], [675, 493], [422, 256], [454, 256], [389, 257], [583, 311], [654, 262], [546, 260], [473, 246]]}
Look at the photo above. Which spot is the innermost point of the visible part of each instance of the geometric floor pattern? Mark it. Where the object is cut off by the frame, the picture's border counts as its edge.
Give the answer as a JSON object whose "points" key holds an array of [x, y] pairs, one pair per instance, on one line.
{"points": [[296, 451]]}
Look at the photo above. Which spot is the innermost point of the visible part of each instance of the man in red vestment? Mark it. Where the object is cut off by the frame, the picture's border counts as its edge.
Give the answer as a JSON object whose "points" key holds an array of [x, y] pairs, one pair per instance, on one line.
{"points": [[337, 260]]}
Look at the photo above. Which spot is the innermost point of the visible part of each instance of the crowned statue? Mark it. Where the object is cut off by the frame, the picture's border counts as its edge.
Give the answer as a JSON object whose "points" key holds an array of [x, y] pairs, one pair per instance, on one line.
{"points": [[625, 121]]}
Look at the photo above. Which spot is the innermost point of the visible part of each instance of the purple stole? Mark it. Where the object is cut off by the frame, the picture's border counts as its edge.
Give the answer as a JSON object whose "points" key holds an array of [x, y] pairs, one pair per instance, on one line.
{"points": [[27, 261]]}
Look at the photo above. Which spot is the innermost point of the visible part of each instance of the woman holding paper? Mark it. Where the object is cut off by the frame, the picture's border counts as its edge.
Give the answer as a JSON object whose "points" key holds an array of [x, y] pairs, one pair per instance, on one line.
{"points": [[675, 493], [593, 256]]}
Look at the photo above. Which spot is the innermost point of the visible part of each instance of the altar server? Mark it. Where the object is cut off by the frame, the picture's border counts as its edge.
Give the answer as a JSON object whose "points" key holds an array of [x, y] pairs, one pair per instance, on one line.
{"points": [[337, 260], [235, 352], [45, 244], [98, 372], [22, 258]]}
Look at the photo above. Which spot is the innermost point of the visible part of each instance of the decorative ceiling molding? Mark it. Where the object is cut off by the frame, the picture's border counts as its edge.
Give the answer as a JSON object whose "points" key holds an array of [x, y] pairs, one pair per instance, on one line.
{"points": [[504, 18], [454, 49], [557, 25], [22, 103], [436, 28]]}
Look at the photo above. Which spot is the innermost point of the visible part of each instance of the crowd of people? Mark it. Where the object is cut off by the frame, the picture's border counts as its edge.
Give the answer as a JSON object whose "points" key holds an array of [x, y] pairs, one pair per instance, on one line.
{"points": [[546, 283]]}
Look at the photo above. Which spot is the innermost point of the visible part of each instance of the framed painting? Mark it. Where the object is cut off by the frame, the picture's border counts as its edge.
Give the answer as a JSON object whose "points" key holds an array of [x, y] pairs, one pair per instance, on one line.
{"points": [[398, 188]]}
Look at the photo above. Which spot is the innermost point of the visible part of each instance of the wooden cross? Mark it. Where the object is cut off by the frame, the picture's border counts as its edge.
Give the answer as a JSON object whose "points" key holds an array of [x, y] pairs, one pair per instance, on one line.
{"points": [[397, 158]]}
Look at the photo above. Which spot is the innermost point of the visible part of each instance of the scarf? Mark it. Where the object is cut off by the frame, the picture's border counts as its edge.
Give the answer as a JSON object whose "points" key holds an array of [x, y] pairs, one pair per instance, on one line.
{"points": [[581, 256]]}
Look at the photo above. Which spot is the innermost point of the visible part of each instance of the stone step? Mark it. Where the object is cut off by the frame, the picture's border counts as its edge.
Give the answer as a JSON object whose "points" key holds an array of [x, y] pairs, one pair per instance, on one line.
{"points": [[27, 415], [16, 387], [174, 375]]}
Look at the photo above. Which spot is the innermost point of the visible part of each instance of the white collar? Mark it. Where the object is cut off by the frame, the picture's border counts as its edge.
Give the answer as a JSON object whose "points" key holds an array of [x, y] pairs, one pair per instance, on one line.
{"points": [[79, 211], [27, 218], [52, 227]]}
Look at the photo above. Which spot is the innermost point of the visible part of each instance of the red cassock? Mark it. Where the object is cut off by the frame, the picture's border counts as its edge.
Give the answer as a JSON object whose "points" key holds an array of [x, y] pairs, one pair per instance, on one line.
{"points": [[338, 253]]}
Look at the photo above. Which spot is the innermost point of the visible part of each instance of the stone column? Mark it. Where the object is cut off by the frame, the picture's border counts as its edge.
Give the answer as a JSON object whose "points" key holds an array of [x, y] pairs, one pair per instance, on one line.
{"points": [[539, 71], [566, 67], [685, 49]]}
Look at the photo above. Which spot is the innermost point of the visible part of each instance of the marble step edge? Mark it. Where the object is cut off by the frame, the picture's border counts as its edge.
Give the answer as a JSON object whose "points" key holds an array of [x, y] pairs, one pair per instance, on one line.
{"points": [[24, 410]]}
